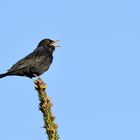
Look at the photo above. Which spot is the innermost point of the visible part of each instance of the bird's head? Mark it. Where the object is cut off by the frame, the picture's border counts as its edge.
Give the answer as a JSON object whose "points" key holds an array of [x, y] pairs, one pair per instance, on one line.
{"points": [[50, 44]]}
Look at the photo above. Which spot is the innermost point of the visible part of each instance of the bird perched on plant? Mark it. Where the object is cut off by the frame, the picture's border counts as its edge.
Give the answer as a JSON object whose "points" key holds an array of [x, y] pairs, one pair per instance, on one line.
{"points": [[36, 63]]}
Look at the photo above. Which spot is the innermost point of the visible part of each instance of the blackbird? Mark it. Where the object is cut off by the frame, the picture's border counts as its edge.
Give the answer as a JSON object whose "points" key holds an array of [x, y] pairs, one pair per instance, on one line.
{"points": [[36, 63]]}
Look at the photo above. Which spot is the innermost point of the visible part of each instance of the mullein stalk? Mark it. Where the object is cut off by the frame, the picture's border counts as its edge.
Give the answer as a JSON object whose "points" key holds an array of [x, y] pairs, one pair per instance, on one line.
{"points": [[45, 106]]}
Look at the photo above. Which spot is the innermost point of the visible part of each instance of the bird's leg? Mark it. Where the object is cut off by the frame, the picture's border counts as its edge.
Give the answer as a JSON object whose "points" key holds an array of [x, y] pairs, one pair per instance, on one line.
{"points": [[37, 76], [39, 83]]}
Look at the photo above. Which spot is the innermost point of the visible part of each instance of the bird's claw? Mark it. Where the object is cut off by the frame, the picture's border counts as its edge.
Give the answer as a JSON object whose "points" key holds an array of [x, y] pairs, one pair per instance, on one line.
{"points": [[39, 84]]}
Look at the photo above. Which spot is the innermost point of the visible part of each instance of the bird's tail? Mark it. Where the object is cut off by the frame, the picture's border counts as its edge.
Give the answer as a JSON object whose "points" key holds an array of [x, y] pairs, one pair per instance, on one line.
{"points": [[4, 74]]}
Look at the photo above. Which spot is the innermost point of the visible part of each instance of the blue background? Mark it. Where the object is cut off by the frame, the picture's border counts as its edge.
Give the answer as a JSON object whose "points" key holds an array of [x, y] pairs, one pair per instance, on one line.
{"points": [[94, 81]]}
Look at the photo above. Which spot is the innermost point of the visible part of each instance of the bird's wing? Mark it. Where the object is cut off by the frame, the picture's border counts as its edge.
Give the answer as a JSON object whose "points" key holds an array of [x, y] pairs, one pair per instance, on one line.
{"points": [[29, 60]]}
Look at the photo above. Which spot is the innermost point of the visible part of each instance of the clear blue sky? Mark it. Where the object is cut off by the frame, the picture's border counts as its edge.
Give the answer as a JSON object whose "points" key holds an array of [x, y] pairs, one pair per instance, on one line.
{"points": [[94, 80]]}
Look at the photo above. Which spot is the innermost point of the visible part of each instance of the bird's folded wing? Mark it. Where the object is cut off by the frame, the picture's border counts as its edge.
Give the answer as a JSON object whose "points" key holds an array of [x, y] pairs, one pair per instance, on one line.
{"points": [[29, 60]]}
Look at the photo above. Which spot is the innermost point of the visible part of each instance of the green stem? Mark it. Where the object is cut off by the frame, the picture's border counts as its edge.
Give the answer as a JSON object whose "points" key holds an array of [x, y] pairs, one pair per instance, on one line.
{"points": [[45, 106]]}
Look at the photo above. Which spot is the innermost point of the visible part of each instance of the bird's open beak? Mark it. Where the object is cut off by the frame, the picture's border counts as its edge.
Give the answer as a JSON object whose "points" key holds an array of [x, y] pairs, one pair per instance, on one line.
{"points": [[55, 45], [55, 41]]}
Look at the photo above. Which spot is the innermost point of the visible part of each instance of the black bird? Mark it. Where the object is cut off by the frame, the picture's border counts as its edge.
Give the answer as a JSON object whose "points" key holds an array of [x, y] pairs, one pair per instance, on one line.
{"points": [[36, 63]]}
